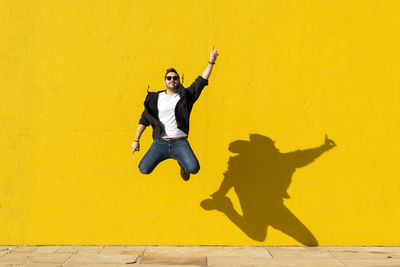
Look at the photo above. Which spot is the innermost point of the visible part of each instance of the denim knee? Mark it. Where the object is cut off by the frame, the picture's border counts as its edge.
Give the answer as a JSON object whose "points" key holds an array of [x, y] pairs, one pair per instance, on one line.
{"points": [[144, 170], [194, 169]]}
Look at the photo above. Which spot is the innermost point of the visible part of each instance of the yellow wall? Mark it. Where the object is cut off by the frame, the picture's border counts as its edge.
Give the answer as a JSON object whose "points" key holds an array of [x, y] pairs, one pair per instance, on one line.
{"points": [[73, 77]]}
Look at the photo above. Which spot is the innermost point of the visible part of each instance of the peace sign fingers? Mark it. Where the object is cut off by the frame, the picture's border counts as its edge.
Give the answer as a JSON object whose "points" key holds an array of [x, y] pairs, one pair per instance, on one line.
{"points": [[213, 55]]}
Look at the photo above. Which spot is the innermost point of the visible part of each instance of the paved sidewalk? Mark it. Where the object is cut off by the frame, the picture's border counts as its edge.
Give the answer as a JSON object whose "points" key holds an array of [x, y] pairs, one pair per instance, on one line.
{"points": [[195, 256]]}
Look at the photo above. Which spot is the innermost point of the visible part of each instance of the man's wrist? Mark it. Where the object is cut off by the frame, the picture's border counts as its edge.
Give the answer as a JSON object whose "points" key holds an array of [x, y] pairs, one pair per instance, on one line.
{"points": [[210, 62], [136, 141]]}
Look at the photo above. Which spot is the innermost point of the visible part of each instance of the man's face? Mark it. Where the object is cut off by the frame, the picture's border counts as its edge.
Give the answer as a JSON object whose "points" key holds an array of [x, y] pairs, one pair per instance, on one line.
{"points": [[172, 80]]}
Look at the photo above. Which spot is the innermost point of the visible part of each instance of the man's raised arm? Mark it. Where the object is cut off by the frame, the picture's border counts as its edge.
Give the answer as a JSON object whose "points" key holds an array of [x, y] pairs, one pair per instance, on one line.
{"points": [[210, 65]]}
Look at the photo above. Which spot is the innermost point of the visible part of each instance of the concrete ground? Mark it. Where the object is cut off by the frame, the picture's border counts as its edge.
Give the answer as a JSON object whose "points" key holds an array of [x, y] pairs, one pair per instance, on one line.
{"points": [[169, 256]]}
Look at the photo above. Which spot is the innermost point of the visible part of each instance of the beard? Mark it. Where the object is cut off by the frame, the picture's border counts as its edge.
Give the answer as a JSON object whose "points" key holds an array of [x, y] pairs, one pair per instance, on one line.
{"points": [[172, 87]]}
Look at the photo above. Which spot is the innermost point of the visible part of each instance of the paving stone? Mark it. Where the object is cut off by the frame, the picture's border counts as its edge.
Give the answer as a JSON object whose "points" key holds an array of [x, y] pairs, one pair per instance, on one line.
{"points": [[123, 250], [245, 252], [42, 264], [207, 251], [294, 248], [165, 265], [7, 247], [24, 249], [298, 252], [363, 254], [49, 257], [68, 249], [4, 252], [387, 249], [90, 249], [103, 259], [98, 265], [131, 249], [237, 261], [244, 261], [371, 262], [168, 260], [361, 249], [15, 258], [341, 248], [30, 265], [310, 262], [123, 265], [240, 265], [46, 249], [396, 254]]}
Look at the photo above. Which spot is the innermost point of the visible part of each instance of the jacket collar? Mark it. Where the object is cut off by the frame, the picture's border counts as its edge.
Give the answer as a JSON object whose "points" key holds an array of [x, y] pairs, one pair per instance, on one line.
{"points": [[181, 90]]}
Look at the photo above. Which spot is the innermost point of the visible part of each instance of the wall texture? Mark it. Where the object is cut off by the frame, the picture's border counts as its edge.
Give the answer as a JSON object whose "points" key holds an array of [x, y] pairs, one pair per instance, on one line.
{"points": [[73, 77]]}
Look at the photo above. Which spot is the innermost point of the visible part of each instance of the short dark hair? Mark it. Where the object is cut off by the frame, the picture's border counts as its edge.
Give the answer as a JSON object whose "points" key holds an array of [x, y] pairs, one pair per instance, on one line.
{"points": [[170, 70]]}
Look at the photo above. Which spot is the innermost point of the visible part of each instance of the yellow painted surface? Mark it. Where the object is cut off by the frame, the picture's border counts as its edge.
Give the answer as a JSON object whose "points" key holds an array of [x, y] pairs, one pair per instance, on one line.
{"points": [[73, 77]]}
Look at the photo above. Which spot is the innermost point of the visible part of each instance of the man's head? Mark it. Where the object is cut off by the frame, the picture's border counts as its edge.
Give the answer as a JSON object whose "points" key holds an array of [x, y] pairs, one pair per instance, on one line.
{"points": [[171, 79]]}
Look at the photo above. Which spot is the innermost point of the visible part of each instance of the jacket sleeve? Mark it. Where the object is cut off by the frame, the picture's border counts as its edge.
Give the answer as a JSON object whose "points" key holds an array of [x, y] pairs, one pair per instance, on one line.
{"points": [[143, 120], [196, 87]]}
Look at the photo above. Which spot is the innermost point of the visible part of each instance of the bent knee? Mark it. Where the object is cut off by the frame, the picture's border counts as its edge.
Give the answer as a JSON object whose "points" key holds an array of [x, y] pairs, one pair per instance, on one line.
{"points": [[196, 170], [193, 169], [144, 170]]}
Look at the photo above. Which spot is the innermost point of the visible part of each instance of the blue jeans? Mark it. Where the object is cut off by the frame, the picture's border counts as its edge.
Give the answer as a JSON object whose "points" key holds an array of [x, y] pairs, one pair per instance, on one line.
{"points": [[161, 150]]}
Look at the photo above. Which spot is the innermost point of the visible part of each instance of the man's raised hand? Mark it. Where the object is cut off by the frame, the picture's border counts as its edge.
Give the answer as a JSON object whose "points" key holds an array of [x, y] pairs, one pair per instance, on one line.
{"points": [[213, 55]]}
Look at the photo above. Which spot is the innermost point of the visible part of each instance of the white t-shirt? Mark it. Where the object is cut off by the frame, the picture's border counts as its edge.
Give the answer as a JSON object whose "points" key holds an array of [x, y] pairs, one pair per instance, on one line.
{"points": [[166, 113]]}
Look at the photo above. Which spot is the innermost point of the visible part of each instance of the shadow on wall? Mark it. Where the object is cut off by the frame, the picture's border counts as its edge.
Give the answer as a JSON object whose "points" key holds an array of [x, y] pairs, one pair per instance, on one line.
{"points": [[260, 176]]}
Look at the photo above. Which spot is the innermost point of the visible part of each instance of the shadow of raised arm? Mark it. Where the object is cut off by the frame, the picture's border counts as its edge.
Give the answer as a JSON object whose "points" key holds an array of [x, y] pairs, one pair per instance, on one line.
{"points": [[301, 158]]}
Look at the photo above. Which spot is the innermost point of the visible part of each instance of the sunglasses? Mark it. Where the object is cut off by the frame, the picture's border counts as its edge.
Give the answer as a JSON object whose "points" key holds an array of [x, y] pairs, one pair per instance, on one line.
{"points": [[172, 77]]}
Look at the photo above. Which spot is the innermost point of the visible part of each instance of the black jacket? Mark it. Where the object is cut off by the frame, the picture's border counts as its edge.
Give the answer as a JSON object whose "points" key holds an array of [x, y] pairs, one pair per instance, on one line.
{"points": [[182, 110]]}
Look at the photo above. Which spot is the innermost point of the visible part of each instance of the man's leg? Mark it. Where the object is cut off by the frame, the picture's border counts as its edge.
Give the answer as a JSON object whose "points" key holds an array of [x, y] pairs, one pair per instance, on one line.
{"points": [[158, 152], [183, 153]]}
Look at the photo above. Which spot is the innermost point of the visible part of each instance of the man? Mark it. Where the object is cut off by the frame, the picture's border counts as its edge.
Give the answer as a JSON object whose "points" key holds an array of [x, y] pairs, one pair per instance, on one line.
{"points": [[168, 112]]}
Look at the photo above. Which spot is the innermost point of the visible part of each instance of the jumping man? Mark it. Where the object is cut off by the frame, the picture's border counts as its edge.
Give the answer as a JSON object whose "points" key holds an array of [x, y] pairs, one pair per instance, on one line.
{"points": [[168, 112]]}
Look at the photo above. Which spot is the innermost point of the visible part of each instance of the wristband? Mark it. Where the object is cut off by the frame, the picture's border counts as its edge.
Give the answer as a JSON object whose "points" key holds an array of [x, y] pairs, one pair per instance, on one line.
{"points": [[212, 63], [136, 141]]}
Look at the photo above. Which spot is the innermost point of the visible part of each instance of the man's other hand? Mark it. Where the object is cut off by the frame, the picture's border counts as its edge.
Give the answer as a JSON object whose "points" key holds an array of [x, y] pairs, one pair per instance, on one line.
{"points": [[135, 146]]}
